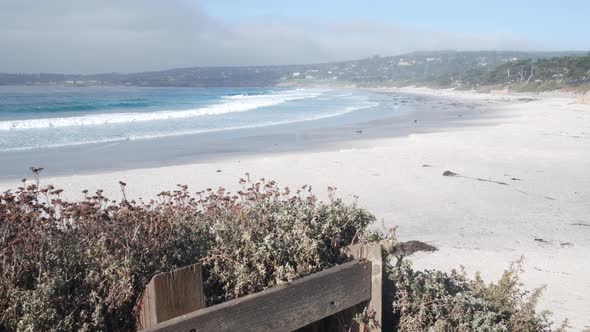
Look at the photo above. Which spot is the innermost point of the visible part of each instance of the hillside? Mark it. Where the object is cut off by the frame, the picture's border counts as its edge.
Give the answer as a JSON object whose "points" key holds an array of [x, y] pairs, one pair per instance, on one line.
{"points": [[541, 74], [544, 70], [459, 69]]}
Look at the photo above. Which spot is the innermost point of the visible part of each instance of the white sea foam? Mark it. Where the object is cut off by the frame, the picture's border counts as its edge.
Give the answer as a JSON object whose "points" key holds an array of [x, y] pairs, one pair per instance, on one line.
{"points": [[201, 131], [258, 125], [231, 104]]}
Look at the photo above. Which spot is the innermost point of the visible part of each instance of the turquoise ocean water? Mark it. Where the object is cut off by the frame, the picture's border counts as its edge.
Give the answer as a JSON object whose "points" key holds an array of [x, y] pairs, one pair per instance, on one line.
{"points": [[41, 117]]}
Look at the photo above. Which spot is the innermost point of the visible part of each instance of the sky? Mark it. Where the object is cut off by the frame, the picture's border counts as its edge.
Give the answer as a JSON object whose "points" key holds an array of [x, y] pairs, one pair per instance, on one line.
{"points": [[93, 36]]}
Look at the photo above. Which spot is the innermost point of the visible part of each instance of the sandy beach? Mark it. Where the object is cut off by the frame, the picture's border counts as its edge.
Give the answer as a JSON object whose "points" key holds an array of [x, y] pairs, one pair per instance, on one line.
{"points": [[520, 186]]}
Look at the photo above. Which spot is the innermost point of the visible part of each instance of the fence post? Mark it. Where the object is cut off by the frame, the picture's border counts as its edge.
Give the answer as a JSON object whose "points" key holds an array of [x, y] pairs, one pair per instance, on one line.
{"points": [[373, 253], [171, 294]]}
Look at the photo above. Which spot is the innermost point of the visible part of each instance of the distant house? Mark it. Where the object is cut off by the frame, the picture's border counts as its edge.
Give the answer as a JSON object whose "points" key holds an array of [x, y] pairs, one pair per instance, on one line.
{"points": [[405, 63]]}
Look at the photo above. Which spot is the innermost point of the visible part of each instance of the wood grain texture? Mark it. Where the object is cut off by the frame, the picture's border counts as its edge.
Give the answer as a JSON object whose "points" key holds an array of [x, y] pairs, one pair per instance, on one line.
{"points": [[374, 253], [172, 294], [283, 308]]}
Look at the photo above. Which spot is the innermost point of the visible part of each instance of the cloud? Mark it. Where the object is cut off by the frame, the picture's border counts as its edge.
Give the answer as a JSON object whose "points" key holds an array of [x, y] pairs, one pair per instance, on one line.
{"points": [[73, 36]]}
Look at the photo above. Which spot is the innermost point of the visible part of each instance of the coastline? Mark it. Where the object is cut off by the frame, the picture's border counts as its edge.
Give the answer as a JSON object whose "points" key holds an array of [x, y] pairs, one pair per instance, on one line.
{"points": [[522, 189], [398, 114]]}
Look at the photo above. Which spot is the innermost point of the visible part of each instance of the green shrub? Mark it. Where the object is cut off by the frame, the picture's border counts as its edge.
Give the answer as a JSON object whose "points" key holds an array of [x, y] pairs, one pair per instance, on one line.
{"points": [[81, 266], [437, 301]]}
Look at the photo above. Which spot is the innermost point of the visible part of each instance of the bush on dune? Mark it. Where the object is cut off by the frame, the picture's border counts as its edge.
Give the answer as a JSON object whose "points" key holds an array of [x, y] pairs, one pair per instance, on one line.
{"points": [[435, 301], [81, 266], [69, 266]]}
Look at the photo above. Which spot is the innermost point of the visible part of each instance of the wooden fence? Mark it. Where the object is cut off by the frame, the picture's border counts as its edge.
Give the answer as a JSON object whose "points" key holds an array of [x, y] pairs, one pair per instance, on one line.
{"points": [[175, 301]]}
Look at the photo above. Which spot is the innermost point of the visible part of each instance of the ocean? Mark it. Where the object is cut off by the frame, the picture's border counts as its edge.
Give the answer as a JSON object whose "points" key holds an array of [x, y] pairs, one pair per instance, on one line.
{"points": [[87, 129], [44, 117]]}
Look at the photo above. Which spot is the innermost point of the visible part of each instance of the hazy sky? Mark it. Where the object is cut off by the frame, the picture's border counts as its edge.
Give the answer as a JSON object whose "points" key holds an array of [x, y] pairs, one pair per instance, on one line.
{"points": [[89, 36]]}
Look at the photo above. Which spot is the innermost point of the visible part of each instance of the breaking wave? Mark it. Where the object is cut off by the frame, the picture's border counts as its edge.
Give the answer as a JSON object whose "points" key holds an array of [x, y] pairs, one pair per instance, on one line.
{"points": [[229, 104]]}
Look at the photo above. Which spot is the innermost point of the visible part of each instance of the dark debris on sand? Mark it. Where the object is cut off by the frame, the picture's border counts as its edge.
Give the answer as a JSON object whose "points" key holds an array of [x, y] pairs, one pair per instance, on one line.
{"points": [[409, 247]]}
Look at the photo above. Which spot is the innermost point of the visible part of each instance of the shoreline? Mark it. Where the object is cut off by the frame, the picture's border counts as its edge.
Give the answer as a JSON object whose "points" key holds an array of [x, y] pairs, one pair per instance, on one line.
{"points": [[521, 189], [402, 114]]}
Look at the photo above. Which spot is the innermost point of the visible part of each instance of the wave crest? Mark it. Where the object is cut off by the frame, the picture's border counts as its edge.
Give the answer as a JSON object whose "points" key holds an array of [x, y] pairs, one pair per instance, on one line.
{"points": [[232, 104], [198, 131]]}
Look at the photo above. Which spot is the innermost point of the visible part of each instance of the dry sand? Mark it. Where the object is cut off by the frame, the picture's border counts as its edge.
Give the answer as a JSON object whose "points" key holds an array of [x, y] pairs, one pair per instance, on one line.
{"points": [[523, 190]]}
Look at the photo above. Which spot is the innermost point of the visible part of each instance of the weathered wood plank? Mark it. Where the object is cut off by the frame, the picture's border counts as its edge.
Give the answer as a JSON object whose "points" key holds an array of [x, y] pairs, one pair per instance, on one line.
{"points": [[372, 252], [172, 294], [283, 308]]}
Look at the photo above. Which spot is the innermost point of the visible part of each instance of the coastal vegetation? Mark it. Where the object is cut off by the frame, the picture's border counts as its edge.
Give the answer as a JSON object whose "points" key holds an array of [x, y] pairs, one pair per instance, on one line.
{"points": [[530, 75], [436, 301], [67, 265]]}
